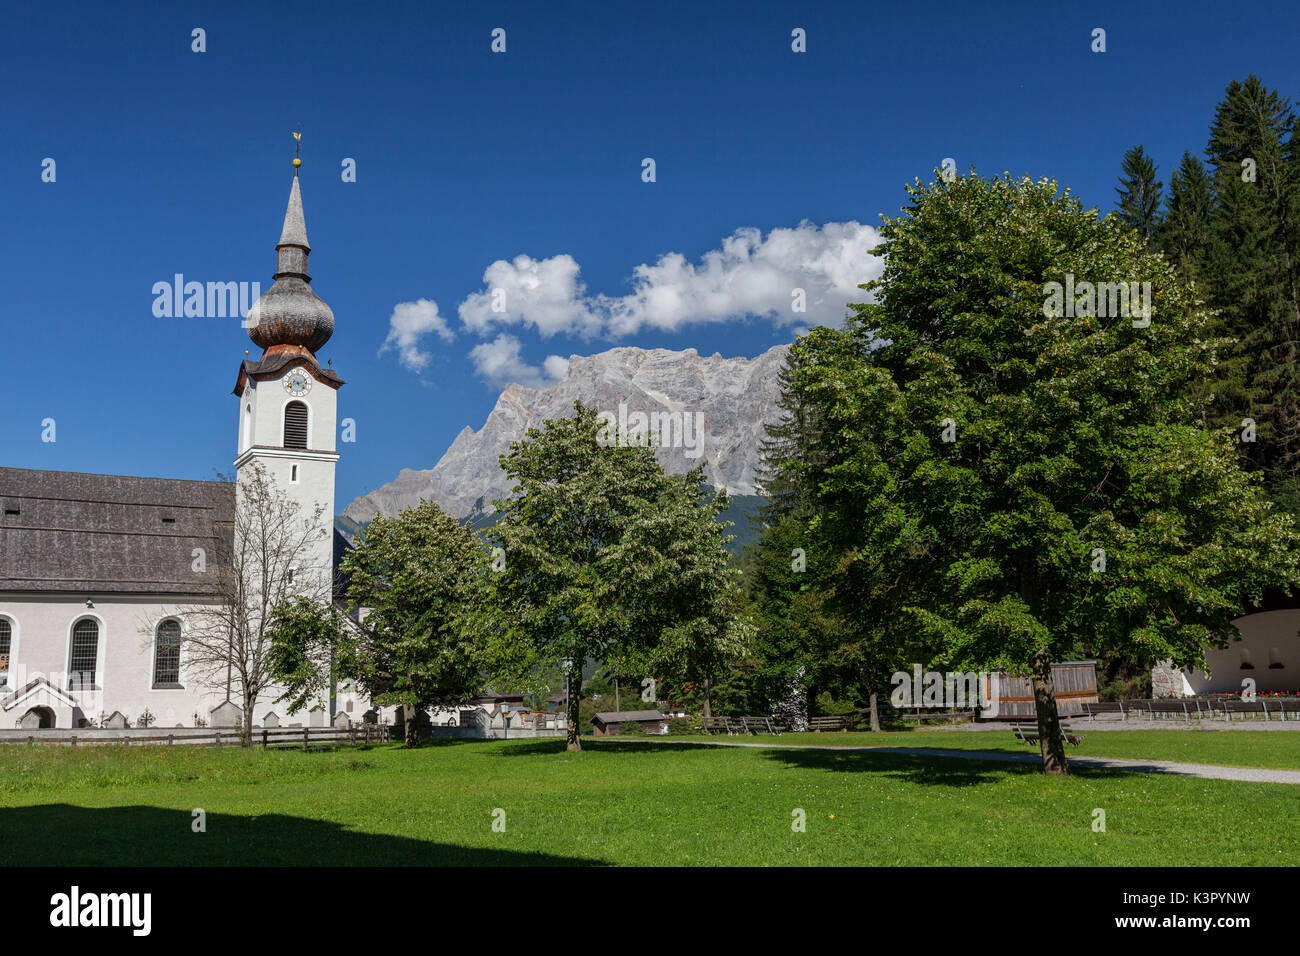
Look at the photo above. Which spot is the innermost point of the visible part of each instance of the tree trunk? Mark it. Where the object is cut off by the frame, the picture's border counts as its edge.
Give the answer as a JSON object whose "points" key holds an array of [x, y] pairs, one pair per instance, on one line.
{"points": [[408, 720], [574, 702], [875, 713], [708, 704], [1050, 741], [246, 728]]}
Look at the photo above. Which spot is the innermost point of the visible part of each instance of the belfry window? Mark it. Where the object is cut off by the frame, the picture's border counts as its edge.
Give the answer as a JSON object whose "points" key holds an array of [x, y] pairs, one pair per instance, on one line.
{"points": [[167, 654], [84, 656], [295, 425]]}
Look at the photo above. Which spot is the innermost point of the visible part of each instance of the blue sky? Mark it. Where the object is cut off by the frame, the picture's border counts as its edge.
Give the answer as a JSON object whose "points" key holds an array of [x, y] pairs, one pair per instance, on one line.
{"points": [[170, 161]]}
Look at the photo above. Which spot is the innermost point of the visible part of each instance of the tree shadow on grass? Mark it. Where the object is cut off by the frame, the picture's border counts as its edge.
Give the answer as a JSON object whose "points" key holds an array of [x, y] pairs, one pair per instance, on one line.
{"points": [[937, 769], [912, 768], [60, 834]]}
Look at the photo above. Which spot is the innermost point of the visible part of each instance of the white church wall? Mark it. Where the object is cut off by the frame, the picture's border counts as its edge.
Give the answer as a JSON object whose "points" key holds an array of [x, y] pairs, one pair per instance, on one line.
{"points": [[1267, 638], [124, 672], [124, 668]]}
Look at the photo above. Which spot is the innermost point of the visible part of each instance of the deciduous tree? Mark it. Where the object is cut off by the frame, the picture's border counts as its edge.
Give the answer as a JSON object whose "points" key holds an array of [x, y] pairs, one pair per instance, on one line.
{"points": [[1016, 481]]}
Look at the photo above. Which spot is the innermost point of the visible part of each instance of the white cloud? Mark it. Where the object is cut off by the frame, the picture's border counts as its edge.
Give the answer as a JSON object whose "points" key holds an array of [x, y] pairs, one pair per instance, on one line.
{"points": [[499, 362], [750, 275], [753, 275], [555, 367], [544, 293], [409, 321]]}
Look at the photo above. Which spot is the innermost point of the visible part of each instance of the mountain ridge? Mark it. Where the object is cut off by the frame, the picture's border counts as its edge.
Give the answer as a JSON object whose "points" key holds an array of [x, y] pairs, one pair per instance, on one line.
{"points": [[731, 398]]}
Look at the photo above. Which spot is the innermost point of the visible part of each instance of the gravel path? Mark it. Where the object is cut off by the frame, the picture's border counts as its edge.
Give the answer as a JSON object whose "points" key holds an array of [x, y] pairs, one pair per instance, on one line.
{"points": [[1083, 725], [1207, 771]]}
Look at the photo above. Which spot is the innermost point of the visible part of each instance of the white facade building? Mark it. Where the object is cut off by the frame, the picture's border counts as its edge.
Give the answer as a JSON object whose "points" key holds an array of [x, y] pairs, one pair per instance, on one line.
{"points": [[102, 575]]}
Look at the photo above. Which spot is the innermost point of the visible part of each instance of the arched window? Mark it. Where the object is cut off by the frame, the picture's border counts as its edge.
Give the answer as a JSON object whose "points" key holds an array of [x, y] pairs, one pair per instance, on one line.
{"points": [[167, 654], [84, 656], [295, 425], [6, 644]]}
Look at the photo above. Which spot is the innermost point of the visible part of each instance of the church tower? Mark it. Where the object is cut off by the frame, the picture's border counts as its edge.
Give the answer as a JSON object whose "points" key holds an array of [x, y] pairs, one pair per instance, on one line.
{"points": [[288, 401]]}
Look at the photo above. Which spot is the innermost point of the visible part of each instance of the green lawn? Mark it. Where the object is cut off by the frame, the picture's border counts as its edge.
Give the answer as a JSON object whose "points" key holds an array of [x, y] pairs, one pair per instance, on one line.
{"points": [[617, 803], [1276, 750]]}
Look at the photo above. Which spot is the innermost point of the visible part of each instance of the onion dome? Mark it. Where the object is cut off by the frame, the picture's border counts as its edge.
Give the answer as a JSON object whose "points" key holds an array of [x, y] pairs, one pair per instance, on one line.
{"points": [[290, 313]]}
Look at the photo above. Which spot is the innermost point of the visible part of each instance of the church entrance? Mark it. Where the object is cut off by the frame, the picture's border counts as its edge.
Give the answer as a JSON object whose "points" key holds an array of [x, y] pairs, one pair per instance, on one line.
{"points": [[38, 718]]}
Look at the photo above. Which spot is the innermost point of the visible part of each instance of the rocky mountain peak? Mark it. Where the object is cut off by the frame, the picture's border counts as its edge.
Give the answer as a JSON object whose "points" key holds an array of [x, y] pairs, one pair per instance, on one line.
{"points": [[713, 409]]}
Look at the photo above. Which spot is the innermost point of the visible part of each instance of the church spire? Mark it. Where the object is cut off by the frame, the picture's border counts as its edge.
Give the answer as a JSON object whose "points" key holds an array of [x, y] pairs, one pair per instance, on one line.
{"points": [[294, 232], [290, 313]]}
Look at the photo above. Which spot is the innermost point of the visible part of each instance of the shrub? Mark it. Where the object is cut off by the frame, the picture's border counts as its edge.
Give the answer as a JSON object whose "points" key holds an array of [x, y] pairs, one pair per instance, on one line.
{"points": [[682, 727], [828, 706], [630, 728]]}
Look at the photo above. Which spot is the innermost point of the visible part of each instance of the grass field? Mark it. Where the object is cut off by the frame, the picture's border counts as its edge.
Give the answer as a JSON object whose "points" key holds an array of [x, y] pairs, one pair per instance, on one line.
{"points": [[1277, 750], [620, 803]]}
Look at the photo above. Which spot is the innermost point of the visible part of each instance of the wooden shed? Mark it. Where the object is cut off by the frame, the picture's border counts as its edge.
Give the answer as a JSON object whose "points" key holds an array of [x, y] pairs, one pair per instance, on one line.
{"points": [[609, 722], [1074, 682]]}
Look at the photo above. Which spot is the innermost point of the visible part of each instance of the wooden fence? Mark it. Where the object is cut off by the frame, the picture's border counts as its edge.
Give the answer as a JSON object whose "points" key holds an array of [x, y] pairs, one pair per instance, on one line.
{"points": [[267, 737]]}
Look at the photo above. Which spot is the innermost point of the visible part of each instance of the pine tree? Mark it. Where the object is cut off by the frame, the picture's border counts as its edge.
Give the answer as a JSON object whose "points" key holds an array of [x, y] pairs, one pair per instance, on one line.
{"points": [[1254, 264], [1139, 193], [1185, 230]]}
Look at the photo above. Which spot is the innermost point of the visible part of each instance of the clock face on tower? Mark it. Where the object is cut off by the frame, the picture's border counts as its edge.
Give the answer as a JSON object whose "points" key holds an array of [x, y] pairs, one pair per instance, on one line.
{"points": [[297, 383]]}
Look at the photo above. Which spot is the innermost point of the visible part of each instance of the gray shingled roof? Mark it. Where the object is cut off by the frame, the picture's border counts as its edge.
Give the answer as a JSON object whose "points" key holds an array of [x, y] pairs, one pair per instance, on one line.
{"points": [[290, 312], [108, 533], [295, 225]]}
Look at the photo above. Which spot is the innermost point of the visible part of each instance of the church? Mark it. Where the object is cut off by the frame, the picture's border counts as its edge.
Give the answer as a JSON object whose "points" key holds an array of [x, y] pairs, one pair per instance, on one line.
{"points": [[104, 578]]}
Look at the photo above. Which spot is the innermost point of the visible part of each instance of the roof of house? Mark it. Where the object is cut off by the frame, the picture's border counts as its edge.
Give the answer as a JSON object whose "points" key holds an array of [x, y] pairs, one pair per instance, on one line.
{"points": [[618, 716], [489, 694], [69, 531]]}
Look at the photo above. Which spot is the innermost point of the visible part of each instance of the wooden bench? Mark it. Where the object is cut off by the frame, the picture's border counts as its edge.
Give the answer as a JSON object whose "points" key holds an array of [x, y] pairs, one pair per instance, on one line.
{"points": [[1028, 733], [818, 724], [758, 725], [1233, 706], [1108, 709], [716, 725], [1176, 707]]}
